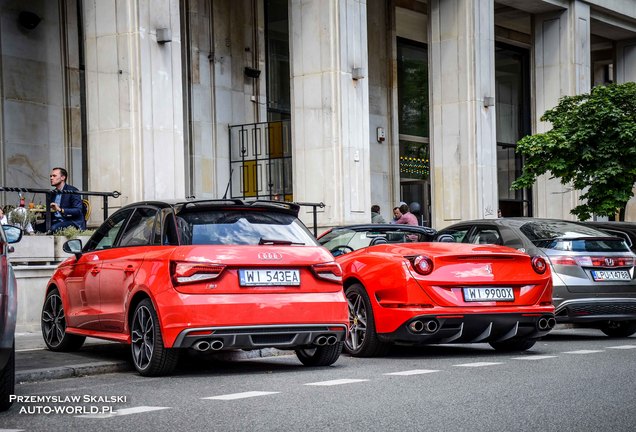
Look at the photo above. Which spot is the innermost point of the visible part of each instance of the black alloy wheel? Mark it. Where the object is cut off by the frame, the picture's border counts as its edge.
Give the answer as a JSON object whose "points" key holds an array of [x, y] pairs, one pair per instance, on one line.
{"points": [[149, 355], [362, 339], [619, 329], [53, 323]]}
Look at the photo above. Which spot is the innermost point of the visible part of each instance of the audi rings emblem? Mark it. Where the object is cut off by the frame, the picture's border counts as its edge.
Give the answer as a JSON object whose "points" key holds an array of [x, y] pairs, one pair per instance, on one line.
{"points": [[609, 262], [271, 256]]}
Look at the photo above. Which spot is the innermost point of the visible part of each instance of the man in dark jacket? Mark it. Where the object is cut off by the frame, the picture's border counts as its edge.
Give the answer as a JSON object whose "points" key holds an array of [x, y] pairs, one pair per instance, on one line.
{"points": [[67, 207]]}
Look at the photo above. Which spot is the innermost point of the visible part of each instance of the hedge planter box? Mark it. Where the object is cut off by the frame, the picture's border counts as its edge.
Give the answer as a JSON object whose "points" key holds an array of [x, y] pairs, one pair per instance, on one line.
{"points": [[41, 249]]}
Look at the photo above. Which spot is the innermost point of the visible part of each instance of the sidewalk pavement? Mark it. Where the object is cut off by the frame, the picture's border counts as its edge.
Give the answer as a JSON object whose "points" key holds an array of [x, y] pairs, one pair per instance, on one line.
{"points": [[34, 362]]}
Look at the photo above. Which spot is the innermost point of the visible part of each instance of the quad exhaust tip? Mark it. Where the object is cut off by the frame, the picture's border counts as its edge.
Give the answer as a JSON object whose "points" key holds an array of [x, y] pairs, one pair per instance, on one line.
{"points": [[326, 340], [546, 323], [204, 345]]}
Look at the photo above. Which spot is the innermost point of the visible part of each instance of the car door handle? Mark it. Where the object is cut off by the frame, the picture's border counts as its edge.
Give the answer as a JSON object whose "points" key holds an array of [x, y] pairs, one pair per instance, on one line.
{"points": [[95, 271], [129, 269]]}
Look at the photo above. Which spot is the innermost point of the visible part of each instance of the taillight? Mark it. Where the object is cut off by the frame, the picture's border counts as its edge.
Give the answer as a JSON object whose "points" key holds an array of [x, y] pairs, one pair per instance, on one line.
{"points": [[593, 261], [190, 272], [423, 265], [328, 271], [539, 265]]}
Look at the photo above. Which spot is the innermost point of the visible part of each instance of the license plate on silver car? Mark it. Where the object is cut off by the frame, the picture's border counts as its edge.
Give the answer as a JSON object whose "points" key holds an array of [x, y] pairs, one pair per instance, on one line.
{"points": [[488, 294], [269, 277], [611, 275]]}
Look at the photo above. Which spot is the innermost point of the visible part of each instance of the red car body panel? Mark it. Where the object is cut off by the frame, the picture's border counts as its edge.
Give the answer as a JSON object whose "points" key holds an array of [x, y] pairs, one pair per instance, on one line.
{"points": [[398, 293], [97, 290]]}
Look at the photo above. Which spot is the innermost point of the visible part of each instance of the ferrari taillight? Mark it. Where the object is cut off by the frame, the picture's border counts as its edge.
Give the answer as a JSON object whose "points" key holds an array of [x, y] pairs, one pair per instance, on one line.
{"points": [[191, 272], [423, 265], [330, 271], [539, 265]]}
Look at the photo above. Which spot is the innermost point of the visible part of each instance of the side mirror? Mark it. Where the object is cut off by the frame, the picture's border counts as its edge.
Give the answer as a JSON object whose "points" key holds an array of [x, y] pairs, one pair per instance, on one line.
{"points": [[73, 246], [445, 238], [13, 233]]}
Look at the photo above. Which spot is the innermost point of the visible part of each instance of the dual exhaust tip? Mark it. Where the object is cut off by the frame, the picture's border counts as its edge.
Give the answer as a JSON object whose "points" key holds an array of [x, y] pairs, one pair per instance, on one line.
{"points": [[546, 323], [325, 340], [204, 345], [429, 326]]}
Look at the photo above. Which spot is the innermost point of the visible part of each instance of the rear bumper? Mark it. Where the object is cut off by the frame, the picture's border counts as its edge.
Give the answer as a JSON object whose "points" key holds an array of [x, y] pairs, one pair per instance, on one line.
{"points": [[472, 328], [251, 320], [596, 309], [254, 337]]}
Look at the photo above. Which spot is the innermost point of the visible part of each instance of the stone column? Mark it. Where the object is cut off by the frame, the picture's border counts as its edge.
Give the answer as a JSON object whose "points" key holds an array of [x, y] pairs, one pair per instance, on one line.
{"points": [[330, 124], [463, 145], [626, 61], [562, 67], [134, 99]]}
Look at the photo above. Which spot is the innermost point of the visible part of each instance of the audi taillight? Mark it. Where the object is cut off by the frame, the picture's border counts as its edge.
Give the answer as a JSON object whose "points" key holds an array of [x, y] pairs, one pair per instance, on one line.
{"points": [[539, 265], [423, 265], [190, 272], [328, 271]]}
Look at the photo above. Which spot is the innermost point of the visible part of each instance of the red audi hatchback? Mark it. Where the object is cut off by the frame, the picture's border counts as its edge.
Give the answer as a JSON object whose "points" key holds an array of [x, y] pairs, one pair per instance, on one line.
{"points": [[203, 275]]}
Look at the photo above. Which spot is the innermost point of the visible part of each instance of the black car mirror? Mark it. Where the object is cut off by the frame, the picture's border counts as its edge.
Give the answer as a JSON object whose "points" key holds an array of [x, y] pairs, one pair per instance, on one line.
{"points": [[73, 246], [13, 233]]}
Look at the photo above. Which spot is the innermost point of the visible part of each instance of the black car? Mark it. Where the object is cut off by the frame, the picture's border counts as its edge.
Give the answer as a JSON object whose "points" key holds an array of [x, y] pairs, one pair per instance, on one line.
{"points": [[8, 307], [593, 272]]}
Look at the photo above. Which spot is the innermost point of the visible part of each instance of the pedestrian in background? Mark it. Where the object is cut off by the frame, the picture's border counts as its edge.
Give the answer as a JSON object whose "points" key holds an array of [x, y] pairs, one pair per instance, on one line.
{"points": [[376, 217], [67, 208], [407, 217], [396, 215]]}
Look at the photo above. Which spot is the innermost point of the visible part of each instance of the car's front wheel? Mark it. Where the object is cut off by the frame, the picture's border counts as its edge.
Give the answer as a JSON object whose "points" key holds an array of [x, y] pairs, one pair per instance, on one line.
{"points": [[619, 329], [362, 339], [53, 322], [513, 345], [149, 355], [7, 381], [325, 355]]}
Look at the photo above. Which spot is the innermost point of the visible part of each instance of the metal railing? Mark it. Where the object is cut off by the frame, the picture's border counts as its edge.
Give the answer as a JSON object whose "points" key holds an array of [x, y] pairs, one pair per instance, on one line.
{"points": [[314, 211], [48, 194]]}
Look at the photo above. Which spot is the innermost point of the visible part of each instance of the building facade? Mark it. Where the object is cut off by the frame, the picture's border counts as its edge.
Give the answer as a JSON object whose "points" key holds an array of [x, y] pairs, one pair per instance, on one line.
{"points": [[343, 102]]}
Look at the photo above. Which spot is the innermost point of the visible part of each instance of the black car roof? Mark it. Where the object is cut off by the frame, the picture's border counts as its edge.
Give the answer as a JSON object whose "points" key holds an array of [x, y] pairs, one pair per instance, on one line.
{"points": [[187, 204]]}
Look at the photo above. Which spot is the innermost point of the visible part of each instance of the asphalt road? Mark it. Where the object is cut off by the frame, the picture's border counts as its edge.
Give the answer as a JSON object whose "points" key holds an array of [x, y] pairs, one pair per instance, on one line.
{"points": [[577, 380]]}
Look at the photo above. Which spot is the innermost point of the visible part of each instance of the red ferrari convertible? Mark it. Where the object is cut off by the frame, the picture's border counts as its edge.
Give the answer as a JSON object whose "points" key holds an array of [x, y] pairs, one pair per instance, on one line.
{"points": [[404, 288], [203, 275]]}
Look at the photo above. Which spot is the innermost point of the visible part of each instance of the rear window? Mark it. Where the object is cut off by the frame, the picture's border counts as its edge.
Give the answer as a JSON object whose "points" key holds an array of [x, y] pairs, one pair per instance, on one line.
{"points": [[567, 236], [241, 227]]}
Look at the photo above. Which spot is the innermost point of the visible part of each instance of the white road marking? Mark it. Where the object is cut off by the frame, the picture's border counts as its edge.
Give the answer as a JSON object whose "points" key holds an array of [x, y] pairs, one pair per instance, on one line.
{"points": [[124, 411], [583, 352], [11, 430], [413, 372], [478, 364], [534, 357], [243, 395], [24, 350], [623, 347], [337, 382]]}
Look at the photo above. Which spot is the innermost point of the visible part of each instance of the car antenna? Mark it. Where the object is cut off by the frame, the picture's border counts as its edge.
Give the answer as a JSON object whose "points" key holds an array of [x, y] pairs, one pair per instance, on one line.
{"points": [[228, 184]]}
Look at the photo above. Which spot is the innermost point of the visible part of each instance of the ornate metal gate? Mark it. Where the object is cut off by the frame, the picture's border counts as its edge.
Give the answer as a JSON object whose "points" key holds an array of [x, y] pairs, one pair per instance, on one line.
{"points": [[261, 161]]}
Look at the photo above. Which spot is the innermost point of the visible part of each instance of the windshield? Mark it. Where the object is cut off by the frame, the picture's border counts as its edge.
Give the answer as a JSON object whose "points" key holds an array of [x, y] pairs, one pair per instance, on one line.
{"points": [[569, 236], [357, 239], [242, 227]]}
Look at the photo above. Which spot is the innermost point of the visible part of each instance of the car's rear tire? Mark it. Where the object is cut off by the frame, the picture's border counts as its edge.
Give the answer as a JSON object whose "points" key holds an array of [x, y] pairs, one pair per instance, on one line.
{"points": [[362, 339], [149, 355], [513, 345], [325, 355], [619, 329], [53, 323], [7, 381]]}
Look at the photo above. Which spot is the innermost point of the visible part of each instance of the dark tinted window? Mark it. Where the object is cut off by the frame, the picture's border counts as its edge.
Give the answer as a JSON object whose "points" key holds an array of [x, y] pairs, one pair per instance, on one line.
{"points": [[567, 236], [140, 230], [243, 227], [106, 234]]}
